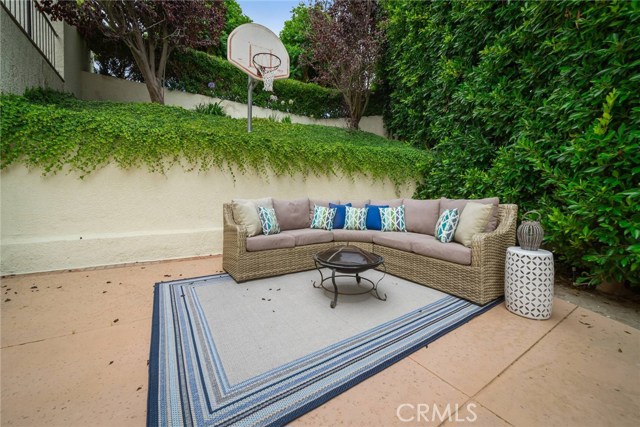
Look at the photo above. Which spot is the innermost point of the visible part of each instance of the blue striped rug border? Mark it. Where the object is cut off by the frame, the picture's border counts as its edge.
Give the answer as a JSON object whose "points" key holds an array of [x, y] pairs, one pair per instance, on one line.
{"points": [[152, 396]]}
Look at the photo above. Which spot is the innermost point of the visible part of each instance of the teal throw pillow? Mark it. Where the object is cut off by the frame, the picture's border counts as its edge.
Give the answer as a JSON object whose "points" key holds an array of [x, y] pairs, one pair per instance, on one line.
{"points": [[446, 225], [355, 218], [268, 220], [392, 219], [323, 217]]}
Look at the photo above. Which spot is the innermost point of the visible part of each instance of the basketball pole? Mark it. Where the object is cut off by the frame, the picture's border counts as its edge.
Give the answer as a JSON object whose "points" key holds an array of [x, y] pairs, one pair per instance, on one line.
{"points": [[251, 84]]}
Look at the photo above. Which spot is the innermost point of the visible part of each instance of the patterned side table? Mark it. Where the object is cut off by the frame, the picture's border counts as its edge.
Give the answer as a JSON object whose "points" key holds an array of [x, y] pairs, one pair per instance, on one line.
{"points": [[528, 282]]}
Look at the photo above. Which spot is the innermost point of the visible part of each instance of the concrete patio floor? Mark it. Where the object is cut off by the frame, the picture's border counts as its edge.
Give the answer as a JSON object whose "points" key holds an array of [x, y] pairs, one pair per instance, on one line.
{"points": [[74, 350]]}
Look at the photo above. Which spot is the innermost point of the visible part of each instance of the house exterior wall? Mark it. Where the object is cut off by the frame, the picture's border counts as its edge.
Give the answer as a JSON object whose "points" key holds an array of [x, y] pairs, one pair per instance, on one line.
{"points": [[116, 216], [22, 66]]}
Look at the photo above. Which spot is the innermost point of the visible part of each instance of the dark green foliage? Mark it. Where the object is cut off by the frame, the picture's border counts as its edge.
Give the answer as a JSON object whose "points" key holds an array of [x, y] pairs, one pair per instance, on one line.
{"points": [[233, 18], [57, 133], [295, 37], [192, 71], [595, 208], [506, 93]]}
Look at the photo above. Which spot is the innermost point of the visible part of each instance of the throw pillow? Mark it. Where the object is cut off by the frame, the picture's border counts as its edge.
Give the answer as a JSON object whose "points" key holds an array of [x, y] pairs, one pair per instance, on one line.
{"points": [[392, 219], [473, 220], [323, 218], [269, 221], [461, 203], [446, 226], [355, 218], [245, 213], [341, 212], [373, 216]]}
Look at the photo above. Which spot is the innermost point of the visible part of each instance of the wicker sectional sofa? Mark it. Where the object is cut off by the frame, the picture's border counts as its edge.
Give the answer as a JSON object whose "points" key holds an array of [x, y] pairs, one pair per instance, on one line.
{"points": [[475, 273]]}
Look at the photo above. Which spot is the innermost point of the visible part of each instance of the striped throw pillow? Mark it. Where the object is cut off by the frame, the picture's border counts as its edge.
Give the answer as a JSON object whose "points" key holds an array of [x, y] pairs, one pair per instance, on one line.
{"points": [[269, 221], [323, 217], [392, 219], [446, 226], [355, 218]]}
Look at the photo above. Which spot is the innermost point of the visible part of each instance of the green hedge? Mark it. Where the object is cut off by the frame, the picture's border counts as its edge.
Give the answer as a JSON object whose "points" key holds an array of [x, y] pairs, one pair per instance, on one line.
{"points": [[56, 132], [510, 97], [192, 71]]}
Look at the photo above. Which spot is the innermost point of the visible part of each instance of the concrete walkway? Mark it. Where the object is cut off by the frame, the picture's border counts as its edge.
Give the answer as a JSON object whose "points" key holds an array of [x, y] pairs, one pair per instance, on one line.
{"points": [[75, 347]]}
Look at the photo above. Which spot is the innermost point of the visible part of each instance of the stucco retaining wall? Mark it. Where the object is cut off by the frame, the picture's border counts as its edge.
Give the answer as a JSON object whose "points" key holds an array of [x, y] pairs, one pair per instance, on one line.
{"points": [[118, 216]]}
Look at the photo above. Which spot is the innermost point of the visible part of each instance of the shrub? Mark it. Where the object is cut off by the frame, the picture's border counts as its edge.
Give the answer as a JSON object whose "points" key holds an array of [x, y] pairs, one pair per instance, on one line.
{"points": [[212, 108], [497, 87], [194, 71], [84, 136], [593, 210]]}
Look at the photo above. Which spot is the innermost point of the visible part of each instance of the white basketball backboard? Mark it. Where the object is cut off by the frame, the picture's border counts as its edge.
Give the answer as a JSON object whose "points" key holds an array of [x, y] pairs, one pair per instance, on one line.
{"points": [[249, 40]]}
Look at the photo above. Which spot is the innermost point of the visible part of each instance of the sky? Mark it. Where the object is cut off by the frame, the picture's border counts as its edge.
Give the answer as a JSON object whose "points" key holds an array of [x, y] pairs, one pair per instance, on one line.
{"points": [[270, 13]]}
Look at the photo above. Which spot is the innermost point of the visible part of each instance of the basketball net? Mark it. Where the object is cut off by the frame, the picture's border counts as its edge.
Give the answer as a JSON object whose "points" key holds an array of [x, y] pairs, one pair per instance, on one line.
{"points": [[267, 79]]}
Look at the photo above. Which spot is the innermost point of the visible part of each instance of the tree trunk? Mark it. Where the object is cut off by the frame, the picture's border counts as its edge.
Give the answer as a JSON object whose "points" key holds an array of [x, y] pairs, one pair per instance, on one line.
{"points": [[156, 91], [143, 54]]}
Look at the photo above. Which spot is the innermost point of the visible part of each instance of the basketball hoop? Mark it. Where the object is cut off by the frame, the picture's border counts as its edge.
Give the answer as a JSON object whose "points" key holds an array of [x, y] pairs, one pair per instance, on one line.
{"points": [[267, 72]]}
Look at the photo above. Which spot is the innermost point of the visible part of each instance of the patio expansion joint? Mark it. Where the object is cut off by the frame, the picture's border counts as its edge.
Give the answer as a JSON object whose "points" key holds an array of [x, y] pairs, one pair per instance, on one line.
{"points": [[76, 333], [474, 396], [525, 352]]}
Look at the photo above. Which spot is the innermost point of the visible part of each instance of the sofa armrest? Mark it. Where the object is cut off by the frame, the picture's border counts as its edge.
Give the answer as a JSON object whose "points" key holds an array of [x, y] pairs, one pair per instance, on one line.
{"points": [[234, 235], [487, 247]]}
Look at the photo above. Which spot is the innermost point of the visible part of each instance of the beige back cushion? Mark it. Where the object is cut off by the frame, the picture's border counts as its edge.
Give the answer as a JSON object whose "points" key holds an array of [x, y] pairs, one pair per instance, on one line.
{"points": [[421, 216], [245, 213], [393, 203], [292, 214], [473, 220]]}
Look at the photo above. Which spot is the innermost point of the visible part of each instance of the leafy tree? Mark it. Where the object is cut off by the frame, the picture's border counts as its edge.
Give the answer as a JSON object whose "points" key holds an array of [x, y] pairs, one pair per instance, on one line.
{"points": [[345, 45], [295, 37], [233, 18], [150, 29]]}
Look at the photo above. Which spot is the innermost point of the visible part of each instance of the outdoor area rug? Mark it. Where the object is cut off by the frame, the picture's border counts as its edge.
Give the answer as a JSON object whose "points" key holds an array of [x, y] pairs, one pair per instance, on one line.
{"points": [[265, 352]]}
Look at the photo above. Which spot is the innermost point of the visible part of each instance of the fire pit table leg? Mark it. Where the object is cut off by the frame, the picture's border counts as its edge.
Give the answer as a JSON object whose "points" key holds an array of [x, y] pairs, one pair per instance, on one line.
{"points": [[335, 289]]}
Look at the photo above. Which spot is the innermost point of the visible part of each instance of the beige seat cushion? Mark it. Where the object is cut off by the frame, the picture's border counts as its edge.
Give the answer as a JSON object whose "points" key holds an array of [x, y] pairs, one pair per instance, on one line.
{"points": [[461, 203], [472, 221], [245, 213], [398, 239], [421, 216], [272, 241], [292, 214], [340, 235], [452, 252], [309, 236]]}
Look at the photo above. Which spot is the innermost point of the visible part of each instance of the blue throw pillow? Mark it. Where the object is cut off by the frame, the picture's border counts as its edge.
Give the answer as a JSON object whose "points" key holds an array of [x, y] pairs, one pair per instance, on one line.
{"points": [[341, 212], [374, 222]]}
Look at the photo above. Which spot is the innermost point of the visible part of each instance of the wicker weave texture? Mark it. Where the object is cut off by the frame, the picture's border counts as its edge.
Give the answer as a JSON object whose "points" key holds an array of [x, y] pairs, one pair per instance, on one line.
{"points": [[480, 282]]}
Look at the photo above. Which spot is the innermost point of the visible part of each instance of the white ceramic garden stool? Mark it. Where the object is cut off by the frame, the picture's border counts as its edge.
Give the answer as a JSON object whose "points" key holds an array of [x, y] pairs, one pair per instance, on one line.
{"points": [[528, 282]]}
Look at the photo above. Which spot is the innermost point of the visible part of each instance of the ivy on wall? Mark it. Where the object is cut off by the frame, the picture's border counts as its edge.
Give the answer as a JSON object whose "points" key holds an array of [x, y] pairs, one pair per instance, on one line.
{"points": [[57, 132], [509, 96]]}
